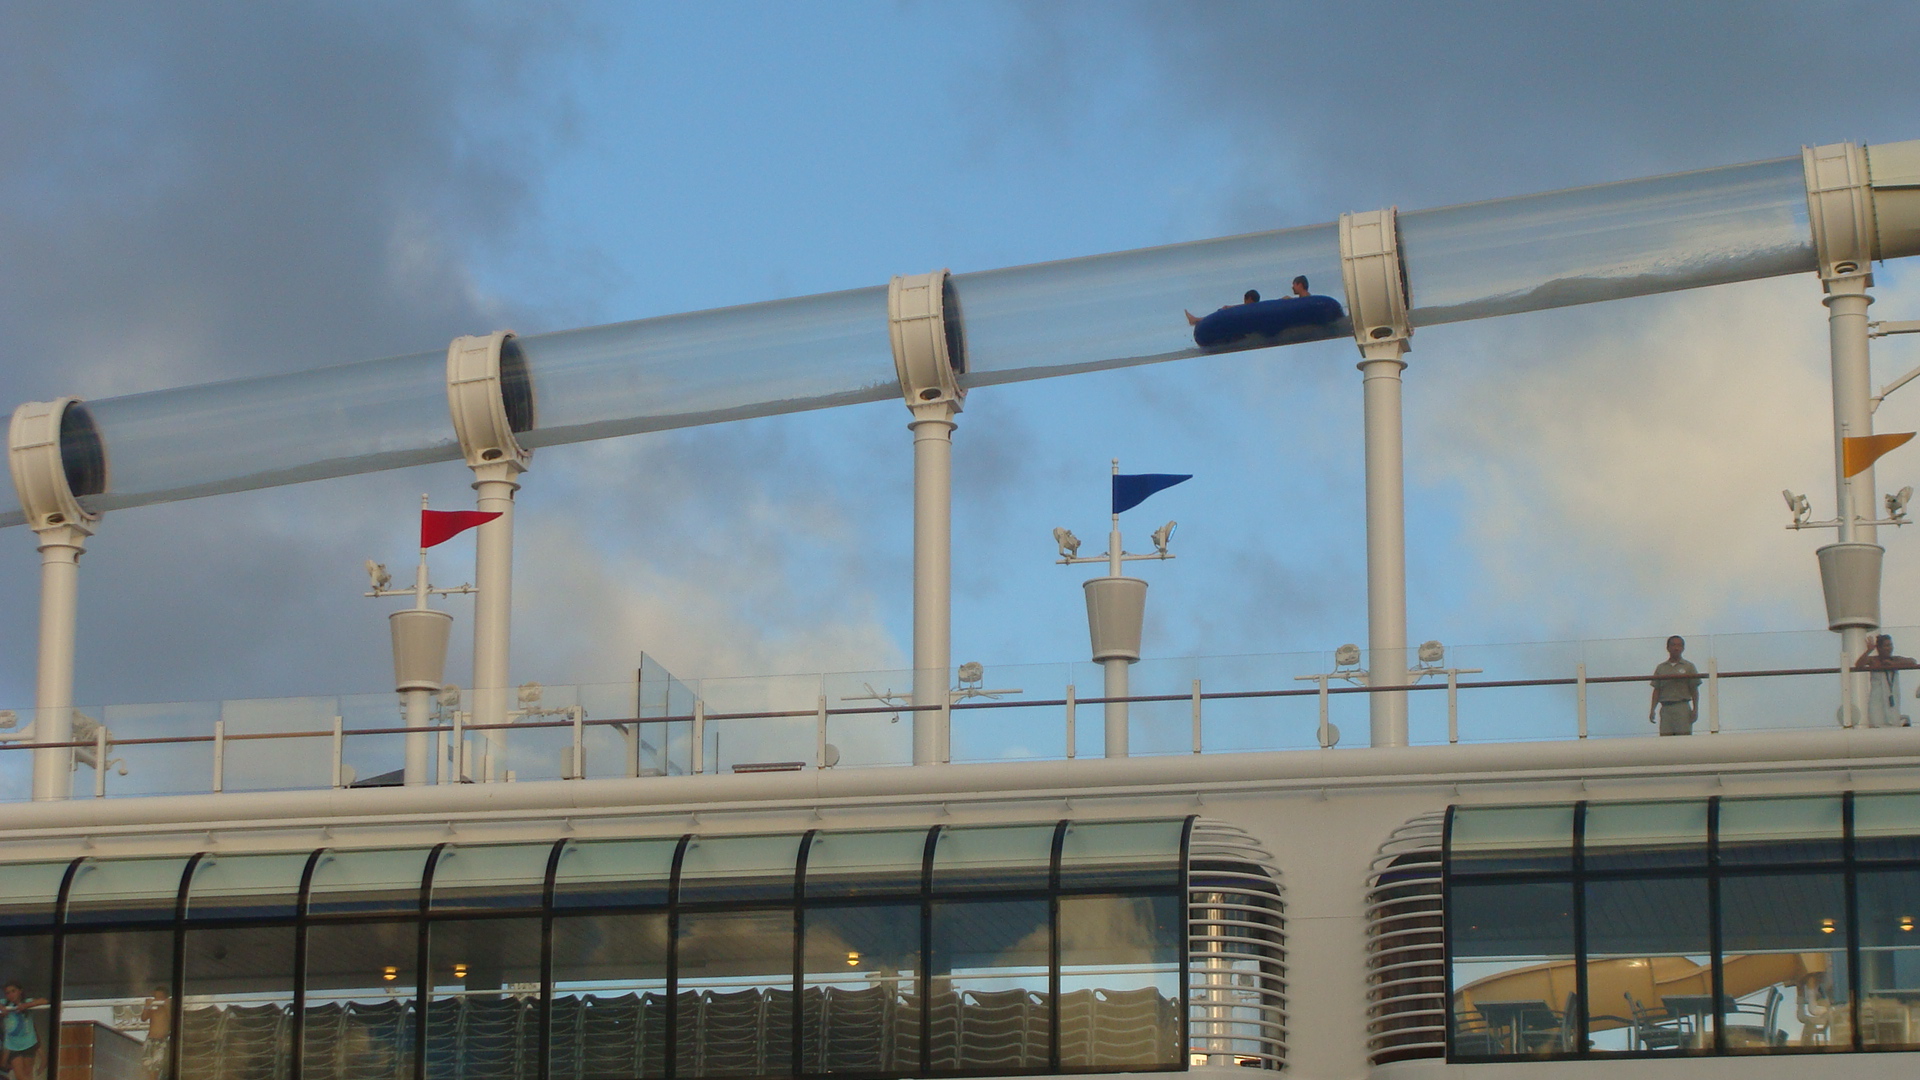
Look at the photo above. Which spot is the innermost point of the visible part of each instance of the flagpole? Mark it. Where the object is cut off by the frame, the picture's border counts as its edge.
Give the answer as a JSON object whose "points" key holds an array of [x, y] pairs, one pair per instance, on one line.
{"points": [[1118, 729]]}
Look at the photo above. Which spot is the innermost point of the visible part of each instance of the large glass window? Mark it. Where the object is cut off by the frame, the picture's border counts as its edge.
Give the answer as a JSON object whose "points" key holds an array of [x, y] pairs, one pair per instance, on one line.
{"points": [[990, 999], [1711, 926], [609, 996], [957, 950]]}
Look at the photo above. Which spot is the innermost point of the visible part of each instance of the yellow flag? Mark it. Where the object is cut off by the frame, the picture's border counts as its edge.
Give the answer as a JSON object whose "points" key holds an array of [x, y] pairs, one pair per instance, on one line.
{"points": [[1858, 453]]}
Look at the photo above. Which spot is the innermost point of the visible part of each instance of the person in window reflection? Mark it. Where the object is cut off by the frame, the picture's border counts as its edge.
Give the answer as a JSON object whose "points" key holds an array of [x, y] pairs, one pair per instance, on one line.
{"points": [[19, 1041], [157, 1014], [1676, 691], [1252, 297], [1883, 682]]}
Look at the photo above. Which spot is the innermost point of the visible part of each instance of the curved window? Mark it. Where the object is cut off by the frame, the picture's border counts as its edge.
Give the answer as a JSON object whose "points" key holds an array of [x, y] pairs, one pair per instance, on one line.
{"points": [[1683, 927], [956, 950]]}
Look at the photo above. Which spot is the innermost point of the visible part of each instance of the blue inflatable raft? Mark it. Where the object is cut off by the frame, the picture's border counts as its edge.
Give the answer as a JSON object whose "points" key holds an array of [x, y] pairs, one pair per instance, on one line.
{"points": [[1269, 322]]}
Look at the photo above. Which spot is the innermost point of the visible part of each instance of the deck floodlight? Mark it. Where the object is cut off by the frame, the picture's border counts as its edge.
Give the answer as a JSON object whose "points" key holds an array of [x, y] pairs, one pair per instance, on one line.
{"points": [[1432, 652], [1163, 534], [1069, 543], [1346, 655], [1798, 506], [1897, 503]]}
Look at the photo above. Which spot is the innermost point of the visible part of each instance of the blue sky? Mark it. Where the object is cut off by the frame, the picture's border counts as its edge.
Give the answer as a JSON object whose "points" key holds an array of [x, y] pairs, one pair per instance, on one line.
{"points": [[201, 191]]}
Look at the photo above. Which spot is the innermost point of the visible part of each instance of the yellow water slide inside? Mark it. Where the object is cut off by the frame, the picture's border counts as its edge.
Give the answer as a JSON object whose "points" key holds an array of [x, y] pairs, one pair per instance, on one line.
{"points": [[1646, 980]]}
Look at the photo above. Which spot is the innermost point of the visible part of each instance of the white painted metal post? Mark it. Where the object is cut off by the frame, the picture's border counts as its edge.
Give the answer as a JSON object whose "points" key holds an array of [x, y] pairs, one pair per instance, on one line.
{"points": [[60, 549], [932, 429], [1196, 716], [100, 756], [928, 358], [1386, 548], [820, 732], [1713, 695], [339, 753], [1580, 696], [699, 736], [1453, 705], [1072, 736], [1840, 215], [493, 602], [219, 757], [419, 722], [578, 751], [1116, 709], [1377, 302]]}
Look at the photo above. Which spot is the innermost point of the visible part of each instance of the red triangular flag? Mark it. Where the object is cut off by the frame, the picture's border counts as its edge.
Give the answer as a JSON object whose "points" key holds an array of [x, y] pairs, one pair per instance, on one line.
{"points": [[440, 526]]}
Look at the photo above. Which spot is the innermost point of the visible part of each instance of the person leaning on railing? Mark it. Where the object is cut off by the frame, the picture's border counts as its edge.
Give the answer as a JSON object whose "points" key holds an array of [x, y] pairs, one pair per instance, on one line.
{"points": [[1883, 682], [1676, 691]]}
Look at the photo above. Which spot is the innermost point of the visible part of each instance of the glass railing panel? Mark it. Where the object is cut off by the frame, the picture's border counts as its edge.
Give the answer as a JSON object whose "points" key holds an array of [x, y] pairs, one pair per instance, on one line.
{"points": [[158, 768], [761, 743], [999, 728], [380, 760], [883, 737], [1517, 713], [1777, 702], [283, 764]]}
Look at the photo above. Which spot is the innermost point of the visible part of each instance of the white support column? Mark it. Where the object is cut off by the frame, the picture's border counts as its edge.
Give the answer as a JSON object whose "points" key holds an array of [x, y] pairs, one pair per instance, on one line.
{"points": [[1116, 713], [493, 601], [1377, 303], [929, 357], [1840, 214], [60, 548], [490, 396], [55, 455], [932, 429]]}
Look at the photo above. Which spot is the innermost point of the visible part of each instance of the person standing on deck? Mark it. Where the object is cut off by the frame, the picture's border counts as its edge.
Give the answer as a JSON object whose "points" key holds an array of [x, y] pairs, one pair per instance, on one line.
{"points": [[1676, 691], [1883, 681]]}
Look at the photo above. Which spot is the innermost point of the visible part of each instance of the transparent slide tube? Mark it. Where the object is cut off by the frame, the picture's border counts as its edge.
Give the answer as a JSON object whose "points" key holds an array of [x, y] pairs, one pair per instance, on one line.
{"points": [[1030, 322]]}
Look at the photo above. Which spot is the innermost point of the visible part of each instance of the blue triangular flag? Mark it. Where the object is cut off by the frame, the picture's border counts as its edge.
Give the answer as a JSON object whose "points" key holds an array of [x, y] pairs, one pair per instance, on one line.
{"points": [[1131, 491]]}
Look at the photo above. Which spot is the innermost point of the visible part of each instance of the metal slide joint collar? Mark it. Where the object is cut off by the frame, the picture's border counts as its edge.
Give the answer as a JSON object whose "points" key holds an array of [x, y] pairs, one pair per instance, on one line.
{"points": [[476, 399], [39, 474], [1375, 275], [1840, 212], [925, 335]]}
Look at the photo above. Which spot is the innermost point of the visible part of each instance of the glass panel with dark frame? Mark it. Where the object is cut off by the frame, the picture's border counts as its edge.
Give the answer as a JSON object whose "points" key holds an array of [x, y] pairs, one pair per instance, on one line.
{"points": [[28, 892], [1654, 893], [352, 947]]}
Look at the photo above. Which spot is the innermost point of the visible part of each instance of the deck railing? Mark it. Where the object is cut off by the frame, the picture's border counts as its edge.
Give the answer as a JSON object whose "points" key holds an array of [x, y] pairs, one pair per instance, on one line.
{"points": [[659, 726]]}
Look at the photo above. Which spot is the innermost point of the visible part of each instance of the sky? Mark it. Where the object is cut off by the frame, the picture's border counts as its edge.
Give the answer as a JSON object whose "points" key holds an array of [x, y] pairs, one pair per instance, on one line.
{"points": [[197, 191]]}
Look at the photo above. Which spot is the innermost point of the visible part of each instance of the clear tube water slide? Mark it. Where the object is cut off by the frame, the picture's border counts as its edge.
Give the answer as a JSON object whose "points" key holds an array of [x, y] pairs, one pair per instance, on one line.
{"points": [[1030, 322]]}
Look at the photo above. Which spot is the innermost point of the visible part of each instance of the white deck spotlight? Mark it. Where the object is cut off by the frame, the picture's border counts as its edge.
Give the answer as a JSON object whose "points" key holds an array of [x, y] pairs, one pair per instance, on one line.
{"points": [[56, 457], [491, 397], [929, 356]]}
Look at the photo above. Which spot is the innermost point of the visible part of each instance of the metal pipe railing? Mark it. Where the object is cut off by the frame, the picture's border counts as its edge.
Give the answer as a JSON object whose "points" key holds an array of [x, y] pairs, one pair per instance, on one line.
{"points": [[577, 724]]}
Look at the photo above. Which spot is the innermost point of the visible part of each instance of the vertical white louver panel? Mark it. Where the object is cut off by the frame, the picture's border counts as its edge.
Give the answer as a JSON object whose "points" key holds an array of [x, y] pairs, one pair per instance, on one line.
{"points": [[1406, 960], [1237, 973]]}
